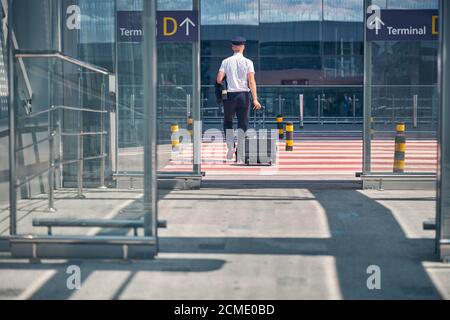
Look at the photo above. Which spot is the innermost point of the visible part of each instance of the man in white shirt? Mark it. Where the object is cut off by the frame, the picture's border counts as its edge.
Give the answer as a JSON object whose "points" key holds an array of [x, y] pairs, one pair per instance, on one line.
{"points": [[240, 74]]}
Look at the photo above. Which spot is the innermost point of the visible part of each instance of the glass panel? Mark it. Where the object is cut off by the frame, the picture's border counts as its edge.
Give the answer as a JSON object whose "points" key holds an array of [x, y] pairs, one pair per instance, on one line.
{"points": [[296, 43], [229, 12], [276, 11], [70, 118], [174, 106], [404, 90], [130, 99]]}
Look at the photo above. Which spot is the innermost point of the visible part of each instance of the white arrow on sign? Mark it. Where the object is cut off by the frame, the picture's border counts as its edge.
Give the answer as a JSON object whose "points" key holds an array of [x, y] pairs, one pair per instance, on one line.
{"points": [[187, 22], [378, 24]]}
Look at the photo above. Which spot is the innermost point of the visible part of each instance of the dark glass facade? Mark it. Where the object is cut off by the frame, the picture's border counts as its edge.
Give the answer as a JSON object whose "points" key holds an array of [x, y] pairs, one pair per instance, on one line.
{"points": [[312, 48]]}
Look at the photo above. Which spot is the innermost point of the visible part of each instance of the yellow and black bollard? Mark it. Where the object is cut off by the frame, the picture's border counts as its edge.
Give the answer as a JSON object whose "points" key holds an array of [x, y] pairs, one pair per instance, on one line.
{"points": [[174, 128], [289, 136], [280, 127], [400, 148], [190, 125]]}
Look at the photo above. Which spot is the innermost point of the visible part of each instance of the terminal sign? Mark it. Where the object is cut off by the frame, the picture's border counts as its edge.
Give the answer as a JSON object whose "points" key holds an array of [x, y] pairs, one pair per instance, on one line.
{"points": [[177, 26], [401, 25], [129, 26], [172, 26]]}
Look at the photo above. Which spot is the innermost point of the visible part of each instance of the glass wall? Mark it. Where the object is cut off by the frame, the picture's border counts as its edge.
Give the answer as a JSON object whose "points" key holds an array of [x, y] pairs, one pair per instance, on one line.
{"points": [[308, 47], [64, 106], [404, 89], [4, 134]]}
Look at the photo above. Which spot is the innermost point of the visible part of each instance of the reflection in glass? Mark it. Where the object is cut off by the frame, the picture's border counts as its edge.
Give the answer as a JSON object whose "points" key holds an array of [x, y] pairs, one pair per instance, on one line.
{"points": [[290, 10], [229, 12], [343, 10]]}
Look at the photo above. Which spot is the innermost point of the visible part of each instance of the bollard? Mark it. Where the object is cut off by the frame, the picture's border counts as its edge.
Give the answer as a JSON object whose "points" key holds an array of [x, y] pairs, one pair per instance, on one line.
{"points": [[289, 136], [190, 125], [174, 128], [400, 148], [280, 127]]}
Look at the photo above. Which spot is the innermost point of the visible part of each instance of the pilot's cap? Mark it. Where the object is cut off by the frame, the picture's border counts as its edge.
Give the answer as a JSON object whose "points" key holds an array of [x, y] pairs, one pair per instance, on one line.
{"points": [[238, 41]]}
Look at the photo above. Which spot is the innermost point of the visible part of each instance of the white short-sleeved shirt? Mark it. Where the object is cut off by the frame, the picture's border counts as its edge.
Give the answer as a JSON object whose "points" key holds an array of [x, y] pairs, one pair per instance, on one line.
{"points": [[236, 69]]}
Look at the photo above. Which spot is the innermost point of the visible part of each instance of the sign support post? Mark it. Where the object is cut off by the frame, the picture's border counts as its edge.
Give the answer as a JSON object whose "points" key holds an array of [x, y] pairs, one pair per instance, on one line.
{"points": [[150, 91], [443, 205], [367, 96], [196, 95]]}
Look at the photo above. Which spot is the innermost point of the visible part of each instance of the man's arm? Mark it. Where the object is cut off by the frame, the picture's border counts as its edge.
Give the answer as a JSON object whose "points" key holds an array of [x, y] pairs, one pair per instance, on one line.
{"points": [[220, 77], [252, 85]]}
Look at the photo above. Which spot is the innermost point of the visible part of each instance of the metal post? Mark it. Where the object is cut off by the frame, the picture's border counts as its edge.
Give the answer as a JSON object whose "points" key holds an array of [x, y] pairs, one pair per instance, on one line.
{"points": [[443, 207], [188, 105], [150, 109], [51, 162], [196, 91], [319, 102], [102, 136], [12, 128], [51, 173], [280, 106], [302, 112], [415, 105], [80, 146], [393, 109], [60, 149], [367, 97]]}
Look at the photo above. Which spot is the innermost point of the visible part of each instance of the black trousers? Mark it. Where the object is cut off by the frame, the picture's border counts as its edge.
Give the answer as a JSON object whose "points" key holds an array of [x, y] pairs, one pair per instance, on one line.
{"points": [[238, 103]]}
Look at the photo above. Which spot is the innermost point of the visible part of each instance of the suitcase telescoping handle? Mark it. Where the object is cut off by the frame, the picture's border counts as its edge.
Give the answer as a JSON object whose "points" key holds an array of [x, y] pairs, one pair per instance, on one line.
{"points": [[255, 112]]}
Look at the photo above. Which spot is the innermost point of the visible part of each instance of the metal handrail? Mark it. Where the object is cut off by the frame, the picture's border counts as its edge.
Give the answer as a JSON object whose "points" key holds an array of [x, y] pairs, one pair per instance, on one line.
{"points": [[55, 108], [28, 179], [27, 54]]}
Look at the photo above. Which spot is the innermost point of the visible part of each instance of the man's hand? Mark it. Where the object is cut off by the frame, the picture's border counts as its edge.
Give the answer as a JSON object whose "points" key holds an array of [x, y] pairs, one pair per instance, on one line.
{"points": [[256, 105]]}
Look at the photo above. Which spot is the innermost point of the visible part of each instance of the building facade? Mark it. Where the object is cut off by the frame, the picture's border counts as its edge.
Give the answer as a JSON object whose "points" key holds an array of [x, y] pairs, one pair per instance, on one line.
{"points": [[304, 50]]}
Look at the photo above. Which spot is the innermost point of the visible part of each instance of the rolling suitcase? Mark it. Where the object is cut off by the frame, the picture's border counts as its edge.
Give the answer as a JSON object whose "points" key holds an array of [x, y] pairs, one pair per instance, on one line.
{"points": [[258, 147]]}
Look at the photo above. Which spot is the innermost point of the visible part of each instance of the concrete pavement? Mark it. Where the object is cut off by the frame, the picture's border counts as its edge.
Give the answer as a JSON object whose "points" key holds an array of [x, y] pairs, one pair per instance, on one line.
{"points": [[261, 239]]}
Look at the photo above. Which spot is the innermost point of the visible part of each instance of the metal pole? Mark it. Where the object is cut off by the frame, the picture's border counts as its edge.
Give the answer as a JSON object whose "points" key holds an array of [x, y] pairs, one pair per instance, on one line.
{"points": [[415, 105], [188, 105], [319, 102], [60, 149], [150, 109], [12, 128], [196, 91], [51, 161], [80, 146], [302, 112], [367, 97], [443, 207], [51, 172], [102, 136]]}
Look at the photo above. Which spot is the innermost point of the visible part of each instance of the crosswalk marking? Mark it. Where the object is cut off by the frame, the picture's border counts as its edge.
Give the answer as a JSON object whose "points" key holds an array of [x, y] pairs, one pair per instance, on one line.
{"points": [[313, 156]]}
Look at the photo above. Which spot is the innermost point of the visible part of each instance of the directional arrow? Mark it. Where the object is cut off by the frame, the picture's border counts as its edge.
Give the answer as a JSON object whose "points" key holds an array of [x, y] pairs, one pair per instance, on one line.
{"points": [[187, 22], [378, 24]]}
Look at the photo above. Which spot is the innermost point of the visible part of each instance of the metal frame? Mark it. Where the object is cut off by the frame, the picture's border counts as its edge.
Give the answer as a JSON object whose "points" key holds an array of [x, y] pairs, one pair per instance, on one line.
{"points": [[54, 247], [150, 116], [367, 109], [443, 184], [196, 96]]}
